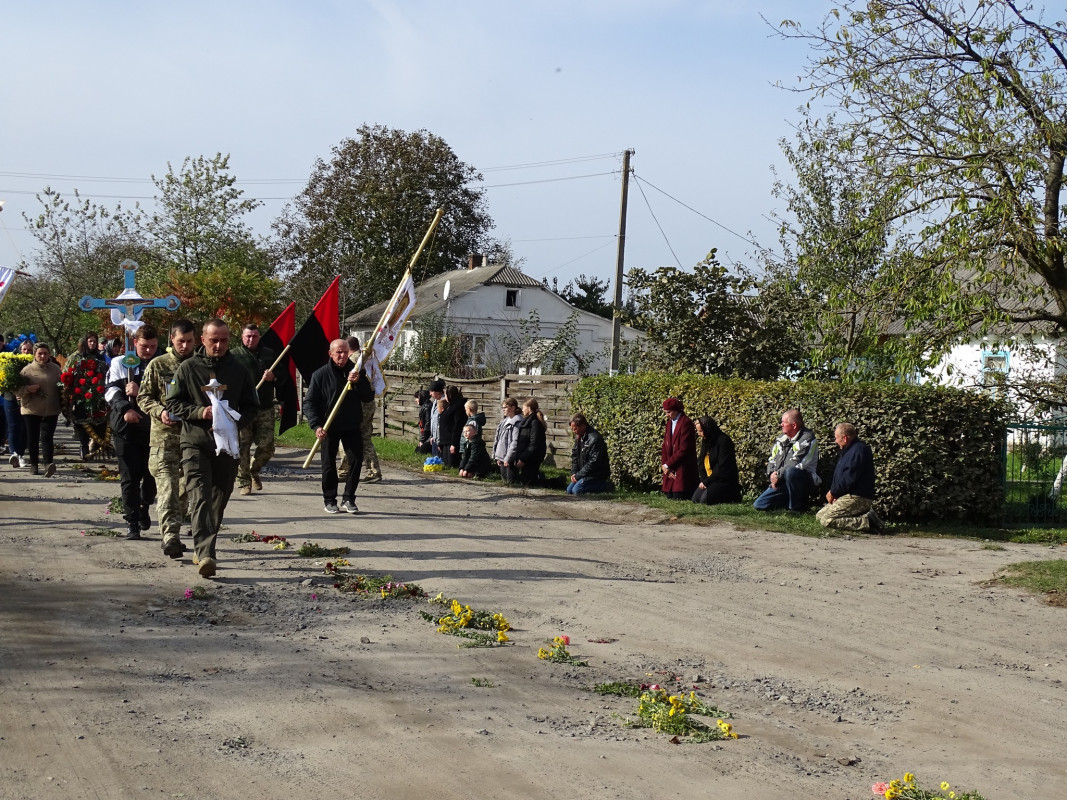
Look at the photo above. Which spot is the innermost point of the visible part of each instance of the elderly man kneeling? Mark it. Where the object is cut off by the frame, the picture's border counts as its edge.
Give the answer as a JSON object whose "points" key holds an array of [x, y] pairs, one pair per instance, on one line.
{"points": [[850, 501]]}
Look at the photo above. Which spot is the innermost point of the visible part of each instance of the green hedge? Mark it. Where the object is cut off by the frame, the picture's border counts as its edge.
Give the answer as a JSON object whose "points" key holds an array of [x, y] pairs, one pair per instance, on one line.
{"points": [[937, 450]]}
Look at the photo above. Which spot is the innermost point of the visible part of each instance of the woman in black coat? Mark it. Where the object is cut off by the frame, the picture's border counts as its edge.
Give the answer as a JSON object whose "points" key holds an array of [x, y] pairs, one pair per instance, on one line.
{"points": [[529, 445], [716, 466], [451, 422]]}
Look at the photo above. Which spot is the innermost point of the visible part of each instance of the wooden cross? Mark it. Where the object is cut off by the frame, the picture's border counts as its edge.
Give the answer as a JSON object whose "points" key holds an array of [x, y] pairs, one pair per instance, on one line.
{"points": [[214, 387]]}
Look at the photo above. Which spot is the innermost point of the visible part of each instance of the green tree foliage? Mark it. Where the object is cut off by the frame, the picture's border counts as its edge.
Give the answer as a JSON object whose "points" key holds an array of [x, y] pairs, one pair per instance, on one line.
{"points": [[959, 111], [839, 246], [707, 321], [79, 247], [229, 291], [199, 221], [589, 293], [364, 212]]}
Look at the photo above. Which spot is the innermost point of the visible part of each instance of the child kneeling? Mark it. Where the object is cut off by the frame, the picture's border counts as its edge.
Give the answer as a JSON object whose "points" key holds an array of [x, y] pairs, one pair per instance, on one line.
{"points": [[473, 457]]}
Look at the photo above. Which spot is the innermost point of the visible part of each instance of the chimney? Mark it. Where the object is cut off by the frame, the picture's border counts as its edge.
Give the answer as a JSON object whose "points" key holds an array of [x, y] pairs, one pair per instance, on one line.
{"points": [[475, 260]]}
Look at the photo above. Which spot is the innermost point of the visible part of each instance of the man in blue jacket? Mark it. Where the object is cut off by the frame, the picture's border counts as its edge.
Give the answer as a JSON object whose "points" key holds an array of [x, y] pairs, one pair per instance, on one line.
{"points": [[850, 501]]}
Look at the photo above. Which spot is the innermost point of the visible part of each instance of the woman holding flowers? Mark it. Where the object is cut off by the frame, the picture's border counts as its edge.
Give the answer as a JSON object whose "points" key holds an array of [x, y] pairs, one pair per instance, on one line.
{"points": [[88, 412], [40, 408], [12, 379]]}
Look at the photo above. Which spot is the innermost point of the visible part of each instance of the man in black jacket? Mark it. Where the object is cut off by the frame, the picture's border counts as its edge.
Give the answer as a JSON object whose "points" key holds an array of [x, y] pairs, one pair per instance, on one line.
{"points": [[209, 473], [590, 468], [131, 427], [325, 388]]}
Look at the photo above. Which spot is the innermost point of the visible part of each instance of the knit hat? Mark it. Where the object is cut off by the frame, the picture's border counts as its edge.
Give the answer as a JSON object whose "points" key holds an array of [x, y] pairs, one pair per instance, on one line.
{"points": [[672, 404]]}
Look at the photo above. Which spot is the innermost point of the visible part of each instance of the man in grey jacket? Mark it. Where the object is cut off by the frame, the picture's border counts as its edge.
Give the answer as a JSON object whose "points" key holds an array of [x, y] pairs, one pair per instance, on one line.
{"points": [[791, 467]]}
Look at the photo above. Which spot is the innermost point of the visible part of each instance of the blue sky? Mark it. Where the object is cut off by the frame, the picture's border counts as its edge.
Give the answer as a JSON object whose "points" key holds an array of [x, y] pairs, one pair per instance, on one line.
{"points": [[116, 90]]}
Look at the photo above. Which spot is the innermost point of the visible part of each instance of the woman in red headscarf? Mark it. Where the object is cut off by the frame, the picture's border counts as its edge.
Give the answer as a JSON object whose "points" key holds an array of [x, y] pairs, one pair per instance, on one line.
{"points": [[678, 454]]}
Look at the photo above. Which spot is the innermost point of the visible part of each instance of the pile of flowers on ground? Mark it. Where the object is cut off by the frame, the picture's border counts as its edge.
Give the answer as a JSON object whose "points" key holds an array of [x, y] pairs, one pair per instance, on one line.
{"points": [[100, 532], [255, 537], [559, 653], [670, 713], [433, 464], [382, 586], [907, 788], [312, 550], [197, 593], [468, 623]]}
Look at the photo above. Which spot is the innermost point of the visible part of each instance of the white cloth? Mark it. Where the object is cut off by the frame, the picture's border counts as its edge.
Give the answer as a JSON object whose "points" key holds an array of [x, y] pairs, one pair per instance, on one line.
{"points": [[224, 426]]}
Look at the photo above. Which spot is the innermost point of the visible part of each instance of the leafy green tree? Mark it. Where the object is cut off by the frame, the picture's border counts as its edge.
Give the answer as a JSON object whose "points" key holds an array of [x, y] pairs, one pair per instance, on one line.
{"points": [[959, 111], [709, 321], [364, 212], [199, 221], [589, 293], [839, 243], [79, 247]]}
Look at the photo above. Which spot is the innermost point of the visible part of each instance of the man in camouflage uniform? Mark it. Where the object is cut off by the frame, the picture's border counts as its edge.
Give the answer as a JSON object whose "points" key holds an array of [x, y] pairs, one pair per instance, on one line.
{"points": [[370, 455], [258, 361], [164, 460]]}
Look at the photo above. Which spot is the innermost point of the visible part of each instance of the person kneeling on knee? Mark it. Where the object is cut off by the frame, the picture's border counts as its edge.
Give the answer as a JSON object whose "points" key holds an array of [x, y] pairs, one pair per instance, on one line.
{"points": [[791, 467], [850, 500]]}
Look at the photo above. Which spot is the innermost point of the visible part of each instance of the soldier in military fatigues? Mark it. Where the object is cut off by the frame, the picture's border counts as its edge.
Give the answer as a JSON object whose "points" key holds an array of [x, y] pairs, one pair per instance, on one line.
{"points": [[165, 455], [258, 361]]}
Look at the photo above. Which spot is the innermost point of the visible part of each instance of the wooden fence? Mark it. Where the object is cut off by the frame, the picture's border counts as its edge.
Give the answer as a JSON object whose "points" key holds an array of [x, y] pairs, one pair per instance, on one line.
{"points": [[399, 410]]}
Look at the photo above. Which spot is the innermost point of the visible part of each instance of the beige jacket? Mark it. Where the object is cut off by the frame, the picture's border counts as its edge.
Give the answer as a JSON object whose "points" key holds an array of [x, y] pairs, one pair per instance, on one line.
{"points": [[45, 402]]}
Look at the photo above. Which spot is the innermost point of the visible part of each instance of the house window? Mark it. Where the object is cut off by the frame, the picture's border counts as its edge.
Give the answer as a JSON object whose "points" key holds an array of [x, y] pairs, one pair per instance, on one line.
{"points": [[478, 345], [511, 298], [995, 366]]}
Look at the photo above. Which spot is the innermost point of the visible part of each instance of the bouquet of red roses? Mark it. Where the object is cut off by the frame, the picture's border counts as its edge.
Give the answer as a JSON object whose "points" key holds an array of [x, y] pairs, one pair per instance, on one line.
{"points": [[84, 381]]}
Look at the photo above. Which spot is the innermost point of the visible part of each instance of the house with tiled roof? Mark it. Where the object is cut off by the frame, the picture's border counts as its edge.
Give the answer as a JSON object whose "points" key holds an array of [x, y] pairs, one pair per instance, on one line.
{"points": [[503, 317]]}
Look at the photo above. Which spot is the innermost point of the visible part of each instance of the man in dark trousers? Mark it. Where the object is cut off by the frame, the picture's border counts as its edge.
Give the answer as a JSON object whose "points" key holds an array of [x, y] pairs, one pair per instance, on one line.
{"points": [[325, 388], [209, 457], [260, 431], [850, 501], [590, 467], [131, 429]]}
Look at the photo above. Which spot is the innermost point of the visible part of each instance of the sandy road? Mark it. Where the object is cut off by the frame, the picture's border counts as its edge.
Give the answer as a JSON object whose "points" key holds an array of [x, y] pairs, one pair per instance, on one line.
{"points": [[844, 661]]}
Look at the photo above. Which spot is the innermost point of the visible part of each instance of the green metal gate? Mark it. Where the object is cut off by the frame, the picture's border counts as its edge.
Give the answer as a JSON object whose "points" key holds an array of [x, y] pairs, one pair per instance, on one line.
{"points": [[1035, 473]]}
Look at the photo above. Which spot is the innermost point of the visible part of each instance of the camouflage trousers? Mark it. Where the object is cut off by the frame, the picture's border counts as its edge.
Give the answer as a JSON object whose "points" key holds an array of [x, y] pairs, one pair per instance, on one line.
{"points": [[849, 512], [370, 456], [260, 433], [165, 464]]}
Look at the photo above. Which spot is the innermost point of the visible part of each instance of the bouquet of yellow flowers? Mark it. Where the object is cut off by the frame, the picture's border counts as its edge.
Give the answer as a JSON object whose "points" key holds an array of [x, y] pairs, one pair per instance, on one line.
{"points": [[11, 365]]}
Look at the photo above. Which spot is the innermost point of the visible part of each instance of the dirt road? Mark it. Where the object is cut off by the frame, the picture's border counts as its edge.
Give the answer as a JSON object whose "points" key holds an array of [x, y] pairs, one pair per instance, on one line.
{"points": [[844, 661]]}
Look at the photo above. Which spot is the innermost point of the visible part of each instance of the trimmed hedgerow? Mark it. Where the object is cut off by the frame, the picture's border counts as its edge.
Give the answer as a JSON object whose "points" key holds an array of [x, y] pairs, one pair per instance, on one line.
{"points": [[937, 450]]}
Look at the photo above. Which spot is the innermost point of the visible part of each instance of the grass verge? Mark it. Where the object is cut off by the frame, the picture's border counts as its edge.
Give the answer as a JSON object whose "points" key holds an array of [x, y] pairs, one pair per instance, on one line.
{"points": [[1048, 578]]}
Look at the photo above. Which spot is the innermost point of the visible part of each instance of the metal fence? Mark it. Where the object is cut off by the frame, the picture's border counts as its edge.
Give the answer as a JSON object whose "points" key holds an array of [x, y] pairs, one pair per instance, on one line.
{"points": [[1035, 469]]}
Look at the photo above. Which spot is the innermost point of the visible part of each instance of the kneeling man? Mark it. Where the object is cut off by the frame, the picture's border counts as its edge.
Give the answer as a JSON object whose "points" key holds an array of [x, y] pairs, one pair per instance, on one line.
{"points": [[850, 501], [791, 467]]}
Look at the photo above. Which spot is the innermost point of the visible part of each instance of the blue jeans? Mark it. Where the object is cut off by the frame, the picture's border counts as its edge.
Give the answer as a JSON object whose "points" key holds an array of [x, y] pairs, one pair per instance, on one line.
{"points": [[588, 486], [16, 430], [795, 487]]}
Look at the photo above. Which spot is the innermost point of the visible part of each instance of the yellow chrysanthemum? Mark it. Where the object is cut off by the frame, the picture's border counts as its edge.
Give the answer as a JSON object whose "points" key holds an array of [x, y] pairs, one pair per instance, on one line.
{"points": [[944, 786], [501, 636], [909, 778]]}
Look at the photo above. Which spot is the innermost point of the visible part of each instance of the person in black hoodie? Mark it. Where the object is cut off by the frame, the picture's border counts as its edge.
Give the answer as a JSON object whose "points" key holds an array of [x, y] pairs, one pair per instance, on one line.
{"points": [[451, 425], [131, 428], [716, 466], [529, 447], [325, 388]]}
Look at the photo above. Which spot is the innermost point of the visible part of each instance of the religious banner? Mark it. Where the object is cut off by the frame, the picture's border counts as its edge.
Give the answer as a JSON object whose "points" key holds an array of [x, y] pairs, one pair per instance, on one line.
{"points": [[7, 277], [396, 314]]}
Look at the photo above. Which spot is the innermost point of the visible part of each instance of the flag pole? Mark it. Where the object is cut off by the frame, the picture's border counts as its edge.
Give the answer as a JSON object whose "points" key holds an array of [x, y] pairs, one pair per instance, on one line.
{"points": [[274, 366], [370, 340]]}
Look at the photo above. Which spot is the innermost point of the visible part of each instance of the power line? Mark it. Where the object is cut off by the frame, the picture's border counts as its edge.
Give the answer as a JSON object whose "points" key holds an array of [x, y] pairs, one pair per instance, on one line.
{"points": [[662, 232], [757, 245]]}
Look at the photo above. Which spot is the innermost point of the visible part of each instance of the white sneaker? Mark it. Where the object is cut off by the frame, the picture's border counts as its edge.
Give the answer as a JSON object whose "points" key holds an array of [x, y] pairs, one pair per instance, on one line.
{"points": [[349, 507], [331, 508], [15, 460]]}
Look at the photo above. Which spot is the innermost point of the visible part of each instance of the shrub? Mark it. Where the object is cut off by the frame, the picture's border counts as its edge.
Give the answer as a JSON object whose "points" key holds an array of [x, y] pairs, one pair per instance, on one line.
{"points": [[938, 451]]}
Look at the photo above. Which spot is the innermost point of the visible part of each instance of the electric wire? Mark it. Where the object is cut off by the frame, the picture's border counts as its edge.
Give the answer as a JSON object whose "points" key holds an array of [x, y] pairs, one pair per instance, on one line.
{"points": [[662, 232]]}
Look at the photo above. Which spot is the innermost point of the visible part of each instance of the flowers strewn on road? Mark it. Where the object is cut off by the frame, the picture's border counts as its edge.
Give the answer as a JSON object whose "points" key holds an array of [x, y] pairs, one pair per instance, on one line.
{"points": [[382, 586], [670, 713], [559, 654], [907, 788], [469, 623]]}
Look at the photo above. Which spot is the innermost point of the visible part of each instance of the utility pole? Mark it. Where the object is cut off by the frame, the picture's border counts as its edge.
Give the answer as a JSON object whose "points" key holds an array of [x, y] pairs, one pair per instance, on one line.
{"points": [[617, 305]]}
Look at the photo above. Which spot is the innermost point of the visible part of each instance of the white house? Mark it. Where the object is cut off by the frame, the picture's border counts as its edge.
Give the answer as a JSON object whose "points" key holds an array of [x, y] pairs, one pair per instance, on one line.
{"points": [[505, 319]]}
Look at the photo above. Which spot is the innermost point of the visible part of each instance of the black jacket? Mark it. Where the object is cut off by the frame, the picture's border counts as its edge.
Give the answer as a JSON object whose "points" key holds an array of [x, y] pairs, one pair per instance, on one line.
{"points": [[530, 442], [717, 451], [186, 398], [473, 457], [327, 383], [589, 457], [451, 422]]}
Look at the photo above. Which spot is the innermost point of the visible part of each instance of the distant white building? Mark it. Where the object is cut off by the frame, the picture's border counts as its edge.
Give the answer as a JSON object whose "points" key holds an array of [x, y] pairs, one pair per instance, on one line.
{"points": [[506, 320]]}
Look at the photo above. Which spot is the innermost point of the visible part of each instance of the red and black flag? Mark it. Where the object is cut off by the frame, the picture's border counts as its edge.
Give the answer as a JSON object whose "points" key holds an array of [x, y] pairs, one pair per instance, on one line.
{"points": [[310, 348], [276, 338]]}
